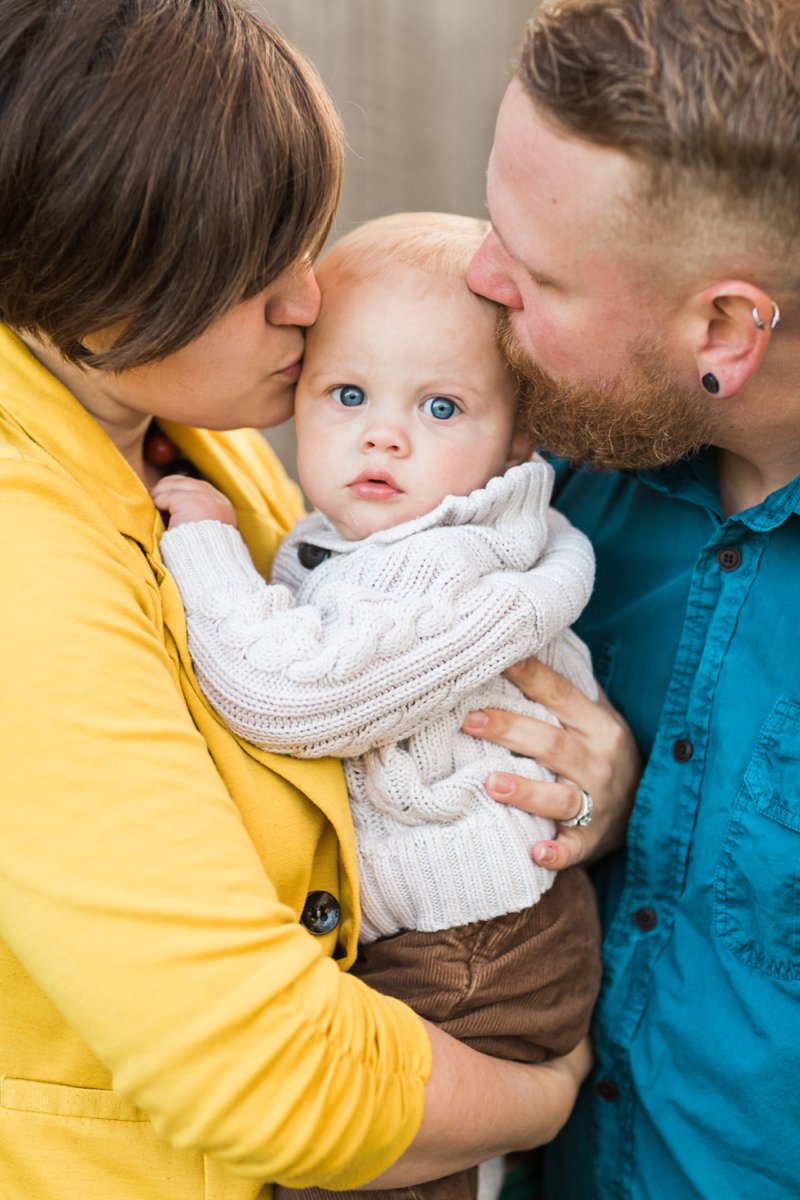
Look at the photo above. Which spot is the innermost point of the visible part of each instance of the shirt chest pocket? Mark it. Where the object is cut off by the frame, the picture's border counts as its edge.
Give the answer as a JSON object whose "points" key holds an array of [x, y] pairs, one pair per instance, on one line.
{"points": [[757, 902]]}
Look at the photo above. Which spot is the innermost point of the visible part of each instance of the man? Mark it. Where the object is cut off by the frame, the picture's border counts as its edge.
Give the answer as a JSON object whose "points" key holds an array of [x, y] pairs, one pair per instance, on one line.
{"points": [[644, 190]]}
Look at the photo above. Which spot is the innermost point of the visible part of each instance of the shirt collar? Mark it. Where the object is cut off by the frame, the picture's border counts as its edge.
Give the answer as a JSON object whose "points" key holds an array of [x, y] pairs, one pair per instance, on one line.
{"points": [[695, 481]]}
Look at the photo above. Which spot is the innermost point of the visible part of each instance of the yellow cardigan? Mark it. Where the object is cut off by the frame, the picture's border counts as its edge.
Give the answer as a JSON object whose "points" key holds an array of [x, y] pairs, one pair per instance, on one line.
{"points": [[168, 1029]]}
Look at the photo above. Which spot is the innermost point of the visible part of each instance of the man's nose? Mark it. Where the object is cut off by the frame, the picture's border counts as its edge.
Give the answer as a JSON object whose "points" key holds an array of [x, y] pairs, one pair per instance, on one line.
{"points": [[489, 273]]}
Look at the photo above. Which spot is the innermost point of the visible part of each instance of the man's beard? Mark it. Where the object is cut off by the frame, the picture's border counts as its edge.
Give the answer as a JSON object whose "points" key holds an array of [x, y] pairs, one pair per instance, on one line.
{"points": [[639, 420]]}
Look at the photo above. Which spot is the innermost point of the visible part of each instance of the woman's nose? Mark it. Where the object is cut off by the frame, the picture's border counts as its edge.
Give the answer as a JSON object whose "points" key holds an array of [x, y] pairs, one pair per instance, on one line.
{"points": [[489, 273], [294, 298]]}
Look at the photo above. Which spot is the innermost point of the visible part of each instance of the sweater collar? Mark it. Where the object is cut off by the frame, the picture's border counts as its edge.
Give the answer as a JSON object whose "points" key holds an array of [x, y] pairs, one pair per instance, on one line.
{"points": [[513, 504], [47, 417], [47, 421]]}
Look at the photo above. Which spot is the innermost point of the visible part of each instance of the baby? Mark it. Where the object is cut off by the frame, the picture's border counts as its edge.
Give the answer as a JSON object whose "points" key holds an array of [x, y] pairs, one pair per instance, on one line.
{"points": [[431, 563]]}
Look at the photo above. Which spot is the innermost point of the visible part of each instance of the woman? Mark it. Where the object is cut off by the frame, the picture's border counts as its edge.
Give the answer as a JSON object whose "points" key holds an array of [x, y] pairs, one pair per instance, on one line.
{"points": [[173, 1021]]}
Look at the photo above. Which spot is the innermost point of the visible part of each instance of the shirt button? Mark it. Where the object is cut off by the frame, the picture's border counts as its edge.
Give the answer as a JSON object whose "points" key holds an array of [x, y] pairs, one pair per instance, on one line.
{"points": [[729, 558], [682, 750], [645, 919], [607, 1090], [321, 913], [311, 556]]}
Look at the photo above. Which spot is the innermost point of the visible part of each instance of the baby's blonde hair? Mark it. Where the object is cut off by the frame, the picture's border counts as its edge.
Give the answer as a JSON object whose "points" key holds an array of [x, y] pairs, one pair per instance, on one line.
{"points": [[441, 243]]}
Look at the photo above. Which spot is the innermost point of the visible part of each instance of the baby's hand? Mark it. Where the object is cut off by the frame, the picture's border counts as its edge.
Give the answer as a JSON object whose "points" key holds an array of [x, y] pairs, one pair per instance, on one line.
{"points": [[187, 499]]}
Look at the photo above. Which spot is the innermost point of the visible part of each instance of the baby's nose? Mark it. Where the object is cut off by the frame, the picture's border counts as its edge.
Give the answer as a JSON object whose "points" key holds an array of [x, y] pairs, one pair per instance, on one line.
{"points": [[389, 438]]}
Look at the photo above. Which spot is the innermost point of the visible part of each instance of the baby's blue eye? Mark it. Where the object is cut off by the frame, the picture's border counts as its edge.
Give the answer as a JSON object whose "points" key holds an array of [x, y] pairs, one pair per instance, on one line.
{"points": [[349, 395], [440, 407]]}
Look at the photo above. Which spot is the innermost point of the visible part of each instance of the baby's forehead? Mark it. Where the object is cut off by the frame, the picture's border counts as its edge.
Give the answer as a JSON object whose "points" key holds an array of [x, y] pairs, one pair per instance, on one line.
{"points": [[346, 278], [406, 321], [402, 306]]}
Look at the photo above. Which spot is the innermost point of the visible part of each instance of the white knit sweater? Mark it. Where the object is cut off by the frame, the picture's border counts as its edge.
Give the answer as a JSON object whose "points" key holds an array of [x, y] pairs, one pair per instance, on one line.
{"points": [[377, 654]]}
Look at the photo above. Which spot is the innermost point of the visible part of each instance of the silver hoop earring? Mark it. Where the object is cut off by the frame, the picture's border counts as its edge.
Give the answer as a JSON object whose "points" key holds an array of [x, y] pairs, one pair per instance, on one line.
{"points": [[774, 321]]}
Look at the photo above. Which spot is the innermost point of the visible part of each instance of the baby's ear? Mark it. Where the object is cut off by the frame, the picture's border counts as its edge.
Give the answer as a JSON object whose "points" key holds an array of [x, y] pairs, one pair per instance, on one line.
{"points": [[521, 449]]}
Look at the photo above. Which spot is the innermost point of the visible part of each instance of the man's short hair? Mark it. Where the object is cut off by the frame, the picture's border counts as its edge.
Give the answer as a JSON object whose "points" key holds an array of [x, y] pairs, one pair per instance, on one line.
{"points": [[159, 163], [705, 94]]}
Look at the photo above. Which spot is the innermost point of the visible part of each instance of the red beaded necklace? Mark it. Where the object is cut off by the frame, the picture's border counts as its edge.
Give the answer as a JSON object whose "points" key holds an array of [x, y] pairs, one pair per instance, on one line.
{"points": [[159, 450]]}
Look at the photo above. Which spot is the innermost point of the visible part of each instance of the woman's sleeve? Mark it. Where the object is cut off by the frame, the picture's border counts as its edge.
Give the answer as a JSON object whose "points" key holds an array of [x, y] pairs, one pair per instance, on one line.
{"points": [[132, 894], [369, 669]]}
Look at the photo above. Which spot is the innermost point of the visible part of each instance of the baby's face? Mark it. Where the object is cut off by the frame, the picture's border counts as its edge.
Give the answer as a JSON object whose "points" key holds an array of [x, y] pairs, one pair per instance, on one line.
{"points": [[403, 399]]}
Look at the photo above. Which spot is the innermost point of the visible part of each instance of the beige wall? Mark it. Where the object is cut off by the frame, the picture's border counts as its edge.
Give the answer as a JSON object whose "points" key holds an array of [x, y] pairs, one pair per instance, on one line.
{"points": [[417, 83]]}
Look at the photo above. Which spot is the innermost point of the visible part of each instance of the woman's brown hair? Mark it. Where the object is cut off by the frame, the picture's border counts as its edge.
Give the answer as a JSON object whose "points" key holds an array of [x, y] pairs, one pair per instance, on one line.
{"points": [[160, 160]]}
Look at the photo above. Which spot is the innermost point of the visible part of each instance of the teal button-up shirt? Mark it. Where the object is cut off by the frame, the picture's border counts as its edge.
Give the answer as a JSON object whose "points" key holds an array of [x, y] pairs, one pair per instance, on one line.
{"points": [[695, 631]]}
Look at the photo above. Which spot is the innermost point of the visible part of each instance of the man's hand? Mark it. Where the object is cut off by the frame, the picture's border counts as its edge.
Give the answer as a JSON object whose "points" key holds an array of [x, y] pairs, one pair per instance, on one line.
{"points": [[593, 750], [187, 499]]}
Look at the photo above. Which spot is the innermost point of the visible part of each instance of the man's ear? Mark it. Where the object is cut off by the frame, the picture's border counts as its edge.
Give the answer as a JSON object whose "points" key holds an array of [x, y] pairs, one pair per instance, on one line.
{"points": [[735, 321], [521, 449]]}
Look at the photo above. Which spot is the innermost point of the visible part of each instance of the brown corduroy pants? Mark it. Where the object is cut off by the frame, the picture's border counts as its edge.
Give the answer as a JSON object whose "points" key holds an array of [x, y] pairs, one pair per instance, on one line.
{"points": [[521, 986]]}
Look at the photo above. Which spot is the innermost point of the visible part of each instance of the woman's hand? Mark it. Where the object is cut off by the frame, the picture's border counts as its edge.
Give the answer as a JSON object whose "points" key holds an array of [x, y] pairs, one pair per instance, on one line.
{"points": [[478, 1107], [593, 749], [187, 499]]}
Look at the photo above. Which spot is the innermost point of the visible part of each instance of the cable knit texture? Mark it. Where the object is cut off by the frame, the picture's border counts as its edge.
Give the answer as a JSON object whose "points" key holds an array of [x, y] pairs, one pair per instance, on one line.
{"points": [[377, 654]]}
